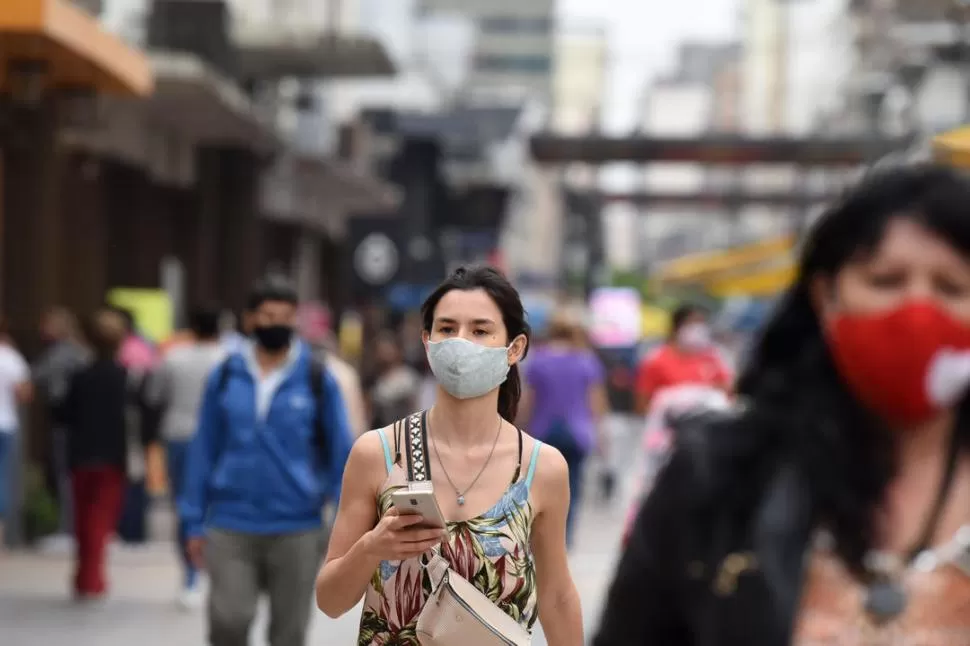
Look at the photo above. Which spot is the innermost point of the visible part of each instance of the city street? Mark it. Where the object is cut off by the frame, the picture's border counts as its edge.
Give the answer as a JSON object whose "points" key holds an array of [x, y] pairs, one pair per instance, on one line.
{"points": [[35, 609]]}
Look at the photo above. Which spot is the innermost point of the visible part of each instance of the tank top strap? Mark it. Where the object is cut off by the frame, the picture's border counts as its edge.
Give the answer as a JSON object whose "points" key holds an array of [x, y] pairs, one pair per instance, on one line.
{"points": [[533, 462], [388, 460]]}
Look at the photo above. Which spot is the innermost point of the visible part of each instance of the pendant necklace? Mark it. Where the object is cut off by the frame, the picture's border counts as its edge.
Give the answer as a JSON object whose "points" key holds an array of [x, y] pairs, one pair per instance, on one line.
{"points": [[885, 594], [461, 494]]}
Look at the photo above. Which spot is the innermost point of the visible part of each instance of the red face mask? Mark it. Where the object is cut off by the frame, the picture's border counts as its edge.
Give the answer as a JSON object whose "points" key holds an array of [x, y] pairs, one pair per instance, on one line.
{"points": [[907, 364]]}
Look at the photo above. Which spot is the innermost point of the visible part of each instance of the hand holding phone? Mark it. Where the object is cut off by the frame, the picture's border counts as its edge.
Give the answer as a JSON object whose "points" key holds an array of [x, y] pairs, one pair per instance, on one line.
{"points": [[419, 501], [398, 537]]}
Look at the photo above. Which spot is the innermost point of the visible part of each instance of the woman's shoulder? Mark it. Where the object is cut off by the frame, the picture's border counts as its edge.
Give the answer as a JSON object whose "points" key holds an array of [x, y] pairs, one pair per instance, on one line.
{"points": [[369, 453], [546, 466]]}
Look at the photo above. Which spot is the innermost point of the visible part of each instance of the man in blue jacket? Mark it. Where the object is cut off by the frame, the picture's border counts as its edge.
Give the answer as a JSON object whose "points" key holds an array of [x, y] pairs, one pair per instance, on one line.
{"points": [[268, 455]]}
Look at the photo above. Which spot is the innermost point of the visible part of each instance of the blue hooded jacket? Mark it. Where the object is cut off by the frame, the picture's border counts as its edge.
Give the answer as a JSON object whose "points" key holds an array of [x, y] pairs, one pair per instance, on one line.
{"points": [[255, 466]]}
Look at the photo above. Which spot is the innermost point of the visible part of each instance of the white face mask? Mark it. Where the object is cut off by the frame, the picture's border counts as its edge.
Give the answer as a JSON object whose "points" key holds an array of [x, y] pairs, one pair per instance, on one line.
{"points": [[467, 370], [694, 336]]}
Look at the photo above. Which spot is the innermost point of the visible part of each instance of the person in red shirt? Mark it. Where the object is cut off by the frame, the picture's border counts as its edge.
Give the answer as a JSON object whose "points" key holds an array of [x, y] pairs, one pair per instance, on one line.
{"points": [[688, 357]]}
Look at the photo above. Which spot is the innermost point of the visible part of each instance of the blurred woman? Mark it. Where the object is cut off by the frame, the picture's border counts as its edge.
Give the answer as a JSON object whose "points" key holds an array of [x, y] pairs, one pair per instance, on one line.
{"points": [[64, 354], [94, 412], [566, 400], [175, 390], [833, 507], [689, 357]]}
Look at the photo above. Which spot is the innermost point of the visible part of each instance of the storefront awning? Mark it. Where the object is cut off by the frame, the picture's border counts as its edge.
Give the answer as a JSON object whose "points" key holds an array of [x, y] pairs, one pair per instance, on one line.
{"points": [[194, 99], [264, 54], [759, 283], [953, 147], [322, 193], [697, 267], [67, 45]]}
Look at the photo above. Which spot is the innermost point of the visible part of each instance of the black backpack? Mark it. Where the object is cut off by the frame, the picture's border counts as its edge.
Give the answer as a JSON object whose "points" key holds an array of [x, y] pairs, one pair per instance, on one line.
{"points": [[317, 370]]}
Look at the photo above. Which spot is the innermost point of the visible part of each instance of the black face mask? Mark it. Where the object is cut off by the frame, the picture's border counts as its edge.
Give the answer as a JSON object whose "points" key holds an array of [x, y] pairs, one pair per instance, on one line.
{"points": [[273, 337]]}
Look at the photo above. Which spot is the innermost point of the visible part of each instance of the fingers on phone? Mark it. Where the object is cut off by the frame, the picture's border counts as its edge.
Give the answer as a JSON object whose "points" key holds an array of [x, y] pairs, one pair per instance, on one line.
{"points": [[407, 520]]}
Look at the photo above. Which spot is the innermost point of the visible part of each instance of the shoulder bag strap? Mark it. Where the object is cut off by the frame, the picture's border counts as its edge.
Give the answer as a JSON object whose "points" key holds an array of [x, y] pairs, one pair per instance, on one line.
{"points": [[416, 447]]}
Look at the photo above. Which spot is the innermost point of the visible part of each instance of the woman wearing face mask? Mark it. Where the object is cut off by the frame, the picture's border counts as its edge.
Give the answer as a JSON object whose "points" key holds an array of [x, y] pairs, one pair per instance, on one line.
{"points": [[505, 495], [688, 358], [834, 505]]}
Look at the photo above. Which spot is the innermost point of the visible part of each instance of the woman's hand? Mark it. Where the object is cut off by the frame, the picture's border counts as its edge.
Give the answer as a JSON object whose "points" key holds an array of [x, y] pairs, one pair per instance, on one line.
{"points": [[397, 537]]}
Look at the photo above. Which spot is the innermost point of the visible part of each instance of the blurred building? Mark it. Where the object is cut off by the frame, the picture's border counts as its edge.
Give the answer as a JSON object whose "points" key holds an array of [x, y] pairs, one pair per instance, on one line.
{"points": [[163, 170], [514, 48], [912, 72], [579, 78], [579, 84], [700, 97], [433, 53]]}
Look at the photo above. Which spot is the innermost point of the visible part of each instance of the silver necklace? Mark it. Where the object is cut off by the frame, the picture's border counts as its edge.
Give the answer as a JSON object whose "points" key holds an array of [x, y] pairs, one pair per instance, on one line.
{"points": [[461, 494]]}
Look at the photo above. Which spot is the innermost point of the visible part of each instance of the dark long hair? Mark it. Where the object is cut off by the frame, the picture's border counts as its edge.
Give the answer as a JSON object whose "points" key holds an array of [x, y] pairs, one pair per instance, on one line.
{"points": [[791, 382], [500, 290]]}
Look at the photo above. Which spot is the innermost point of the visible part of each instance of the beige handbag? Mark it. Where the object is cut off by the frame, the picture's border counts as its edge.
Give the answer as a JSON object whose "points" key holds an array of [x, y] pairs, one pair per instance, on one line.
{"points": [[456, 613]]}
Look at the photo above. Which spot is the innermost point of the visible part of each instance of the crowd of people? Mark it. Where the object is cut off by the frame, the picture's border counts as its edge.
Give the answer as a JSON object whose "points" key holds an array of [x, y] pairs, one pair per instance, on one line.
{"points": [[822, 496]]}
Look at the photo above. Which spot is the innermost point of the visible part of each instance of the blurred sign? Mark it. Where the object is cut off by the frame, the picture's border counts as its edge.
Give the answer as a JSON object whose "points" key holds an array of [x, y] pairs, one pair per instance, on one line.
{"points": [[616, 317], [376, 246], [350, 335], [376, 259], [152, 309]]}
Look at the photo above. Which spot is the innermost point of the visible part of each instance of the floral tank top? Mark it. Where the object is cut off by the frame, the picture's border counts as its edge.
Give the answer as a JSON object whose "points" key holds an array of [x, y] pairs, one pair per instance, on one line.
{"points": [[492, 550]]}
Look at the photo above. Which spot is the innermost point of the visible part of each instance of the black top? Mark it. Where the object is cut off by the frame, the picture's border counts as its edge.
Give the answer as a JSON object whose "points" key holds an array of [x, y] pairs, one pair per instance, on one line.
{"points": [[722, 497], [95, 415]]}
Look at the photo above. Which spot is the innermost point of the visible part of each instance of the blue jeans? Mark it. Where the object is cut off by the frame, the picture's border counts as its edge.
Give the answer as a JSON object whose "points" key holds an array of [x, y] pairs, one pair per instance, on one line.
{"points": [[175, 457], [562, 439], [7, 446]]}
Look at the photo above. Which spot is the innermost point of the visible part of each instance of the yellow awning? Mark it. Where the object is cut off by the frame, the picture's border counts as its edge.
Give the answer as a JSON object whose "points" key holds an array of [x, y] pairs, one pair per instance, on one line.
{"points": [[698, 266], [953, 147], [763, 283], [76, 51]]}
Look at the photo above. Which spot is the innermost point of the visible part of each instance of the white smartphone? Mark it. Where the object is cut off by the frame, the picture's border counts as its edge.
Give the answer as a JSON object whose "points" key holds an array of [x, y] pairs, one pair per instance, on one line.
{"points": [[419, 500]]}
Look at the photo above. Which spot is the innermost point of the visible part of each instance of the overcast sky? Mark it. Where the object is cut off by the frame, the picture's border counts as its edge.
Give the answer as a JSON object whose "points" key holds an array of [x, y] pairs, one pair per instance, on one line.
{"points": [[643, 36]]}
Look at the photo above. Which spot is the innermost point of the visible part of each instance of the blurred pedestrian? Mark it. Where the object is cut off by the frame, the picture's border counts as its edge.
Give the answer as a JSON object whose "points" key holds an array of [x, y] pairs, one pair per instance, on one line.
{"points": [[327, 351], [94, 412], [15, 390], [139, 358], [176, 389], [833, 507], [63, 355], [689, 357], [566, 401], [393, 395], [267, 457]]}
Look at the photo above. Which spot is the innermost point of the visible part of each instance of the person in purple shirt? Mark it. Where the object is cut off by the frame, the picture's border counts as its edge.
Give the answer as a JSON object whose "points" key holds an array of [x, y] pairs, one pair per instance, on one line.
{"points": [[565, 400]]}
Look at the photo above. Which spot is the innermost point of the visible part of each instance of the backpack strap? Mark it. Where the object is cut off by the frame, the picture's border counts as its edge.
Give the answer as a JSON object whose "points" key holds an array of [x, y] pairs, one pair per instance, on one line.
{"points": [[416, 447], [317, 373], [223, 375]]}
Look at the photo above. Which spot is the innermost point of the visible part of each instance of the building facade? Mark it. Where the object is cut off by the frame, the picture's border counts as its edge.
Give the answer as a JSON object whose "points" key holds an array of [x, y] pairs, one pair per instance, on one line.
{"points": [[515, 44], [579, 79]]}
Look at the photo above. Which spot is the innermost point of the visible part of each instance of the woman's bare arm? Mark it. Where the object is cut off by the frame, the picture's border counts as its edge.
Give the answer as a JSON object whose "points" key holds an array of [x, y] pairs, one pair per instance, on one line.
{"points": [[349, 565], [559, 607]]}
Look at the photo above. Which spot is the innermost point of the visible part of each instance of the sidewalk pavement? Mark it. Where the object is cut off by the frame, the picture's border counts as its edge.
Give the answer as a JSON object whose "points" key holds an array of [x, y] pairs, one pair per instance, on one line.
{"points": [[36, 610]]}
